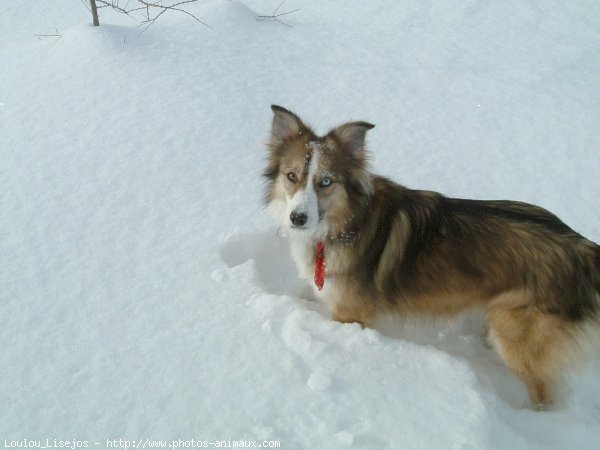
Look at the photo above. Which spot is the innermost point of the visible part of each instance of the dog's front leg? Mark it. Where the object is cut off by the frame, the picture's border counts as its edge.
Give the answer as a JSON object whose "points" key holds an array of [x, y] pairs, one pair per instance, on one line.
{"points": [[351, 313]]}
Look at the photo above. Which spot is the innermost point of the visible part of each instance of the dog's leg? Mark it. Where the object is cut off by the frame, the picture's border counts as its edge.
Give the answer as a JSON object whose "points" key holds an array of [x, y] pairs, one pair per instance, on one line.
{"points": [[530, 342], [353, 310], [487, 338], [539, 393], [344, 315]]}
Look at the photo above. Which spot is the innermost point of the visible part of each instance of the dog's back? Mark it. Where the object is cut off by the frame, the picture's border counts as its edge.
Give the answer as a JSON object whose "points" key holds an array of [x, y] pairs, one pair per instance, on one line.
{"points": [[538, 279]]}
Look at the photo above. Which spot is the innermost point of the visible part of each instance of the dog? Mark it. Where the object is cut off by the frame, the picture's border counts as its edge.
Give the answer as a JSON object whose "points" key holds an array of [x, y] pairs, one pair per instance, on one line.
{"points": [[371, 246]]}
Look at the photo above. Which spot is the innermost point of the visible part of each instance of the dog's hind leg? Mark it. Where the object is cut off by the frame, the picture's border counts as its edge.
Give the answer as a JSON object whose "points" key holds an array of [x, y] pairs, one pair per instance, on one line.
{"points": [[530, 342], [486, 337]]}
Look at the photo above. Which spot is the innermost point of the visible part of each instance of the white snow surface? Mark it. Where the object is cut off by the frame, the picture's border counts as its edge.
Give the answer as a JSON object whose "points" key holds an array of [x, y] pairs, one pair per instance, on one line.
{"points": [[143, 290]]}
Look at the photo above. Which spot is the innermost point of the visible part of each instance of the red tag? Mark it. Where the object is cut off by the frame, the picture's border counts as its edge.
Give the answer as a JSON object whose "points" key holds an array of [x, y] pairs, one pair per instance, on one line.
{"points": [[320, 264]]}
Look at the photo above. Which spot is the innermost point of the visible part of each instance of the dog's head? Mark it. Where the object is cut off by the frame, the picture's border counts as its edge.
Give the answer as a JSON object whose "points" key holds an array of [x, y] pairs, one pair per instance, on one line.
{"points": [[317, 185]]}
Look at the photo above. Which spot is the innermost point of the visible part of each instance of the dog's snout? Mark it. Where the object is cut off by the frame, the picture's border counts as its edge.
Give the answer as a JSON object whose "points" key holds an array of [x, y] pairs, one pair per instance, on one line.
{"points": [[298, 219]]}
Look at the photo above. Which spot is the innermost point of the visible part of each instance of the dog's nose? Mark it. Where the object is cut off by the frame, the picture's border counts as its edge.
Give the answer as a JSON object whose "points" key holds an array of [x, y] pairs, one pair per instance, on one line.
{"points": [[298, 219]]}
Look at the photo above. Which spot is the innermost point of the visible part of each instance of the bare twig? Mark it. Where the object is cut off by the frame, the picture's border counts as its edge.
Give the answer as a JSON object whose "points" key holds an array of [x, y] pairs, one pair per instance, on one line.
{"points": [[150, 10], [86, 4], [57, 34], [274, 17], [278, 6], [114, 4], [164, 8]]}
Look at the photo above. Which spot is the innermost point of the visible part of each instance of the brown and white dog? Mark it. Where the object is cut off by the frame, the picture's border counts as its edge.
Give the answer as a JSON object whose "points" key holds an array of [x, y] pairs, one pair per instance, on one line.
{"points": [[373, 246]]}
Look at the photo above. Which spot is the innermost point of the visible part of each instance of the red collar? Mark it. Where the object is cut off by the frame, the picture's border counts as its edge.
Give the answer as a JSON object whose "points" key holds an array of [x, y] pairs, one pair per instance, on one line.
{"points": [[320, 265]]}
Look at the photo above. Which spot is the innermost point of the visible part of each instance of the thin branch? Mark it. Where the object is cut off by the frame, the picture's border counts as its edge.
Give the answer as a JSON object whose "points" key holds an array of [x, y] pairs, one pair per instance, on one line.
{"points": [[151, 10], [57, 34], [164, 8], [278, 6], [86, 4], [274, 17], [288, 12], [114, 4]]}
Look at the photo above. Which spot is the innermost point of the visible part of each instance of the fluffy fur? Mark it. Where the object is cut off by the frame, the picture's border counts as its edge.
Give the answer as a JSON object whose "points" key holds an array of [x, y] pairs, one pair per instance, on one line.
{"points": [[391, 249]]}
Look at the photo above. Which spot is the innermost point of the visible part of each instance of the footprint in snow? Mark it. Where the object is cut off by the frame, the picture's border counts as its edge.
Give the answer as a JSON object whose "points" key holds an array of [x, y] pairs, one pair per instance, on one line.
{"points": [[275, 269]]}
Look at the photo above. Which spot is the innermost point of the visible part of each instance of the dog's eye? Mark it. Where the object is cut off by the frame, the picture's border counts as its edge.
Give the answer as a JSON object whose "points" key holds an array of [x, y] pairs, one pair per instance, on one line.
{"points": [[326, 182], [292, 177]]}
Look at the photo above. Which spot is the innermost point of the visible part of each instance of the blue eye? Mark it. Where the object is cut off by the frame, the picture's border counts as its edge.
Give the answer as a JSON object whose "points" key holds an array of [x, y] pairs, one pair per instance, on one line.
{"points": [[326, 182]]}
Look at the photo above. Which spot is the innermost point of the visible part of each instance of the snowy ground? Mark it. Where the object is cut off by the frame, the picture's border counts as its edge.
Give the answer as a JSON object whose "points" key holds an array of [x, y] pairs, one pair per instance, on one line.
{"points": [[143, 291]]}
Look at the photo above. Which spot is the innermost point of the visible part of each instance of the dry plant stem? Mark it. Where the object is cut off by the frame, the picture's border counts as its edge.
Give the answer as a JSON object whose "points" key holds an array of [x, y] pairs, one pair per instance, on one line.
{"points": [[151, 10], [274, 17], [164, 8], [49, 35]]}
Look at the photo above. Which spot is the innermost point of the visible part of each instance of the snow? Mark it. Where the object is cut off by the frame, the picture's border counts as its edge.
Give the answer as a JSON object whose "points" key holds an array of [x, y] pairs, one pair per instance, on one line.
{"points": [[144, 291]]}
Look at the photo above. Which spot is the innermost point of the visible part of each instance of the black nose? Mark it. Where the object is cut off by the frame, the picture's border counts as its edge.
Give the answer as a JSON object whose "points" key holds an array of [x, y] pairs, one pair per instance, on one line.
{"points": [[298, 219]]}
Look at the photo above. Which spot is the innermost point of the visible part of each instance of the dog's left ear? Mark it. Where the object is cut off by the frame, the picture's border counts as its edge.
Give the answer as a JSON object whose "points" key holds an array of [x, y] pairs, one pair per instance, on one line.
{"points": [[352, 136]]}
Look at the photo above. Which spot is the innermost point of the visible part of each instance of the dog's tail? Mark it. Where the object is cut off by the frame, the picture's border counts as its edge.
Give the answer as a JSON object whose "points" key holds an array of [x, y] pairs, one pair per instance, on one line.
{"points": [[587, 335]]}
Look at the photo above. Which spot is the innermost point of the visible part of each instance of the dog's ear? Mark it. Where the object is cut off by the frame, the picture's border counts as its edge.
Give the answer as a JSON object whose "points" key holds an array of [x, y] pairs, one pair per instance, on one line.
{"points": [[285, 126], [352, 137]]}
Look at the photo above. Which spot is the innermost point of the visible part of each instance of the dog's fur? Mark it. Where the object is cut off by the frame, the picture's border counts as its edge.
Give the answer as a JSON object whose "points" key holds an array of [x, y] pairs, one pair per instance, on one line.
{"points": [[393, 249]]}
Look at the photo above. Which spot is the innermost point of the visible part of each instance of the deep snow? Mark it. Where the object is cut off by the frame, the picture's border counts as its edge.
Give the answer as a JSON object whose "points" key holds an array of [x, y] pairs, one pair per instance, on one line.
{"points": [[144, 291]]}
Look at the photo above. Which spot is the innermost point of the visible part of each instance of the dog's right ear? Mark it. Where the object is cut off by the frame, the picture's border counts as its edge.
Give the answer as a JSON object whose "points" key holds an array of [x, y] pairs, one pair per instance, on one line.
{"points": [[286, 125]]}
